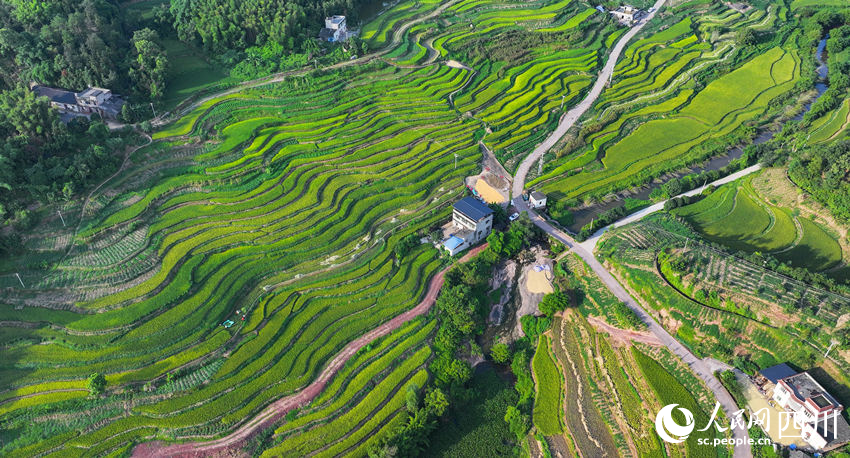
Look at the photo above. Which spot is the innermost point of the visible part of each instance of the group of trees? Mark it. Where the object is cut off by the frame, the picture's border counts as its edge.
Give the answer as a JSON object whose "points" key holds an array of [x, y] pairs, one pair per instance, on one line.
{"points": [[521, 233], [461, 308], [411, 438], [824, 172], [148, 70], [75, 44], [232, 26], [45, 160], [837, 25]]}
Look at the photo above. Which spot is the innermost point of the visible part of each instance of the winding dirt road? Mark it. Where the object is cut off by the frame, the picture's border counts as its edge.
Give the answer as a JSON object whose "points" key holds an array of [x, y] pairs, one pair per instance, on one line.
{"points": [[278, 409]]}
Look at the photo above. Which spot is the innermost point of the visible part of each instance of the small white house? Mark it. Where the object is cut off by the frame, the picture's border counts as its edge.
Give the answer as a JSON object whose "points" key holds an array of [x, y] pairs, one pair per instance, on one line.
{"points": [[474, 222], [628, 15], [537, 200], [335, 29]]}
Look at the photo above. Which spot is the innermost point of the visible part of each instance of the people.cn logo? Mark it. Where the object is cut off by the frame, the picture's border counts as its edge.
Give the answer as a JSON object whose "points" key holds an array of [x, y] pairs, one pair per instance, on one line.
{"points": [[668, 429]]}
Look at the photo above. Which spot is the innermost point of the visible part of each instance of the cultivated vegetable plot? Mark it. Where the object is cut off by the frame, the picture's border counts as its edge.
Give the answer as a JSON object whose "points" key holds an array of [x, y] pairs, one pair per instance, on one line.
{"points": [[703, 295]]}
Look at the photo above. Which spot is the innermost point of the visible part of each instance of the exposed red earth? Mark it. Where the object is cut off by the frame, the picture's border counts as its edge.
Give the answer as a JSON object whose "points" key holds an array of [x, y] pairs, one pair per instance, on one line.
{"points": [[278, 409]]}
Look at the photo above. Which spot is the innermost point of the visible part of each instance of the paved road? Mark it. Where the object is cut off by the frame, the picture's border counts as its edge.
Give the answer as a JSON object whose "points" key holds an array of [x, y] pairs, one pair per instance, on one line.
{"points": [[281, 407], [590, 243], [576, 112], [698, 366]]}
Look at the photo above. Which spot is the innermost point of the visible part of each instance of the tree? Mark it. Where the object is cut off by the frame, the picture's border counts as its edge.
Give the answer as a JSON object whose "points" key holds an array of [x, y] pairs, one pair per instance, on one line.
{"points": [[746, 37], [96, 383], [459, 371], [554, 302], [404, 245], [518, 422], [500, 353], [436, 402], [500, 216], [26, 114], [459, 304], [150, 66]]}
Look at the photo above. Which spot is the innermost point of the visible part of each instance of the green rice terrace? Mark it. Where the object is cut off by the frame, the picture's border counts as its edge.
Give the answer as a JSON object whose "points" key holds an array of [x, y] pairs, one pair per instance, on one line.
{"points": [[284, 225], [667, 106], [745, 216], [255, 237], [257, 278], [531, 61]]}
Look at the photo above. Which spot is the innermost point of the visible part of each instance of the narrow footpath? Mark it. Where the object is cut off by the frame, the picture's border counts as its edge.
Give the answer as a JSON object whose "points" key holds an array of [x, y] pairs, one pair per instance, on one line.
{"points": [[278, 409], [585, 250]]}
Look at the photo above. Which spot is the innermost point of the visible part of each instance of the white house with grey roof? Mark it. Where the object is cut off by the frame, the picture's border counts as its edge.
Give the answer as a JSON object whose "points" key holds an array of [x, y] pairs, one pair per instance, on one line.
{"points": [[92, 100], [335, 29], [537, 200], [473, 221]]}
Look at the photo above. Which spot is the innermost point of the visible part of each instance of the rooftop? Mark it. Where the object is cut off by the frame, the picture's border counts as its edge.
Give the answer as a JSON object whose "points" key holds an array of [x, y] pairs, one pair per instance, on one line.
{"points": [[326, 33], [94, 92], [55, 95], [452, 242], [777, 372], [472, 208], [537, 195], [806, 387], [336, 19]]}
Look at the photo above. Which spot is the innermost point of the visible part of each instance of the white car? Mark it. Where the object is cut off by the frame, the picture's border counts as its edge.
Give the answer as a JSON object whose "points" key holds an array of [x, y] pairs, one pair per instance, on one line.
{"points": [[513, 217]]}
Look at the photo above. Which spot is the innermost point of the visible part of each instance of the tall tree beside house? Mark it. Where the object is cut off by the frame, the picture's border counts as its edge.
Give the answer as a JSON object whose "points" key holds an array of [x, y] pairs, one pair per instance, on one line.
{"points": [[24, 114], [150, 67]]}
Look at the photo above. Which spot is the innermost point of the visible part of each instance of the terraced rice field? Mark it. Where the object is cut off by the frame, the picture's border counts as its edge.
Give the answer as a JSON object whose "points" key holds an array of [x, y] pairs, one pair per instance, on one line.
{"points": [[556, 48], [547, 401], [737, 216], [609, 406], [804, 3], [831, 125], [670, 390], [653, 118], [284, 222], [583, 420]]}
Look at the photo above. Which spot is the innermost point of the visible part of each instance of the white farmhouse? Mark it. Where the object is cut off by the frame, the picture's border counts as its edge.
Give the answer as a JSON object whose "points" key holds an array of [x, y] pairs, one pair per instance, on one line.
{"points": [[92, 100], [628, 15], [818, 413], [473, 221], [335, 29]]}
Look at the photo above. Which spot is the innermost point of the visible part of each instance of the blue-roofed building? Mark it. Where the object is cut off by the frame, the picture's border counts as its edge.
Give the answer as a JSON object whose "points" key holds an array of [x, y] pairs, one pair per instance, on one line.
{"points": [[473, 220], [455, 245]]}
